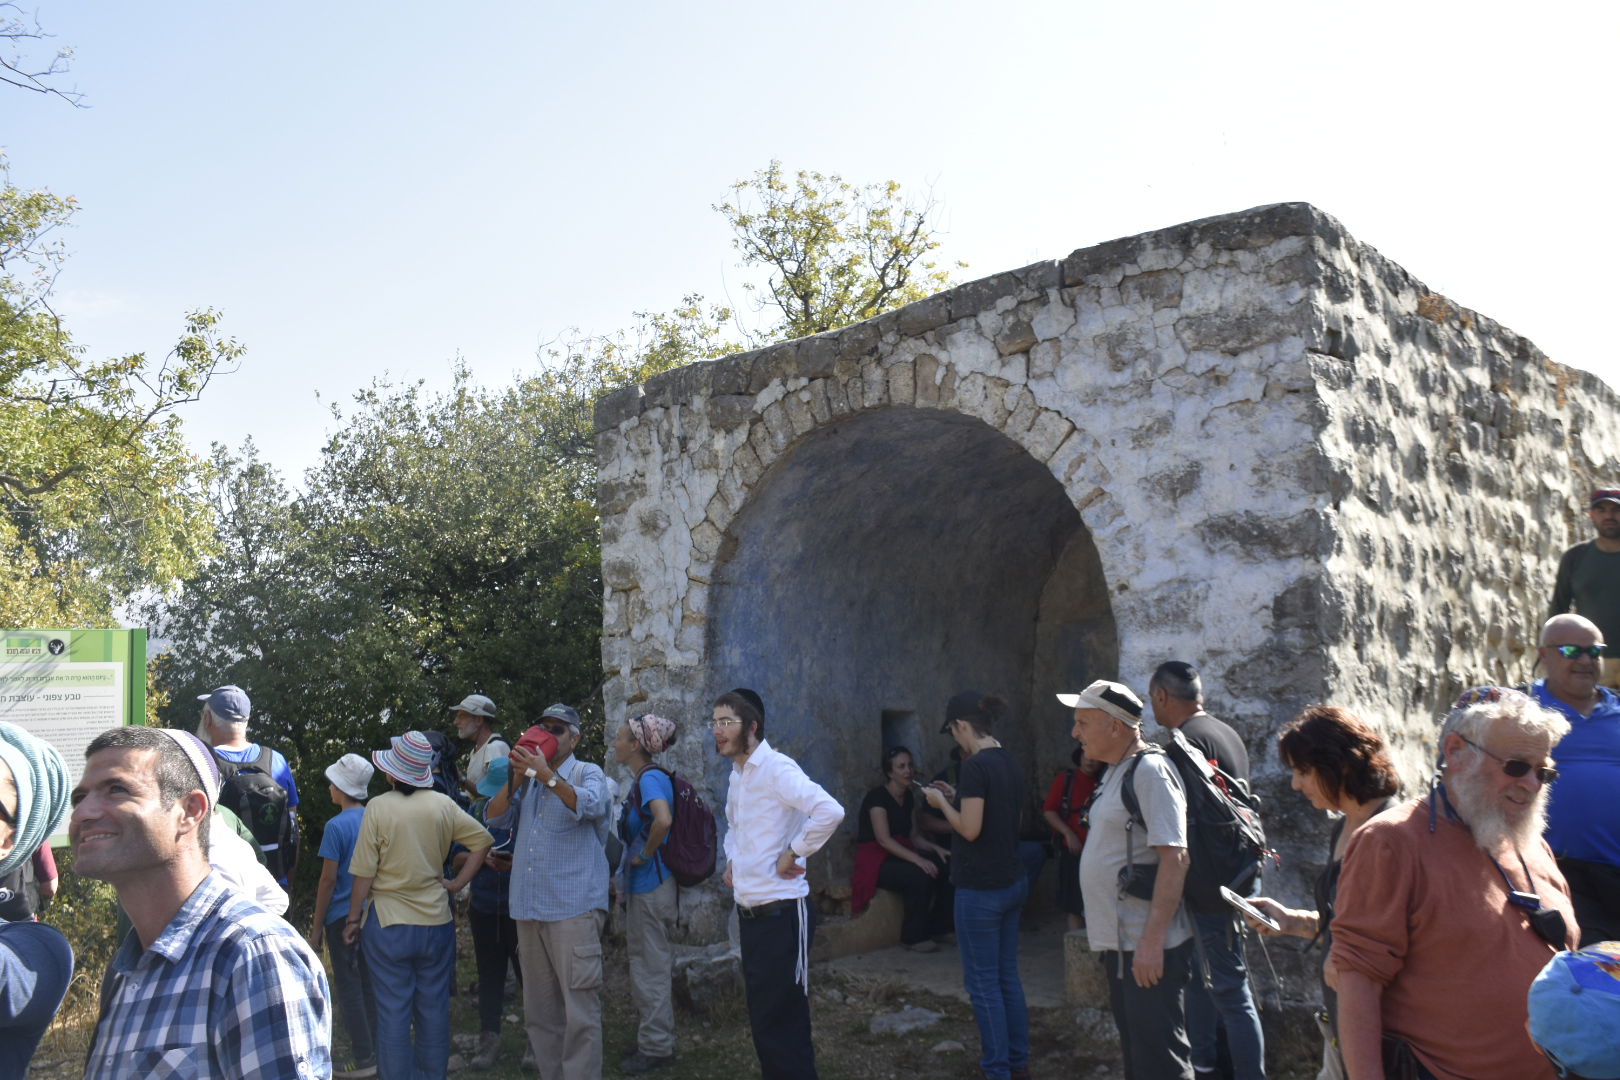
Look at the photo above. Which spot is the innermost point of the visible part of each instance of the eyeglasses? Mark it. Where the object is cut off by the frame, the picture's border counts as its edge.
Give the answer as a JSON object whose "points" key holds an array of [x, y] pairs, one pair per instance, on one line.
{"points": [[1570, 652], [1513, 766], [725, 723]]}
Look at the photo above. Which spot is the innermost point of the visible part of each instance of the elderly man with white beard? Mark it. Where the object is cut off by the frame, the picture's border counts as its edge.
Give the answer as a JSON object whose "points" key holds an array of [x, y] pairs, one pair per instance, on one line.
{"points": [[1450, 905]]}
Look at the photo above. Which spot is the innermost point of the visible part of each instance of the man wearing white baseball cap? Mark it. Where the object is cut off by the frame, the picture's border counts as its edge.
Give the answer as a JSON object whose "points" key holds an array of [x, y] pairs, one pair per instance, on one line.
{"points": [[1131, 877]]}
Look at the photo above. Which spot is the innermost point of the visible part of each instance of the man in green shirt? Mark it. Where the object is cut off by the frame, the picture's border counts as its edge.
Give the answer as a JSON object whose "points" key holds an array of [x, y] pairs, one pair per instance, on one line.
{"points": [[1589, 576]]}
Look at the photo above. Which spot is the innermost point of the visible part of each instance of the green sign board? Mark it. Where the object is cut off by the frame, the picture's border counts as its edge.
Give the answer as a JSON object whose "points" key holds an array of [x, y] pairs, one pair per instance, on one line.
{"points": [[68, 686]]}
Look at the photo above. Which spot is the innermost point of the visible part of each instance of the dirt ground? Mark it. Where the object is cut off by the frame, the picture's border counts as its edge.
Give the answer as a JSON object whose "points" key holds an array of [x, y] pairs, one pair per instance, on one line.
{"points": [[842, 1003]]}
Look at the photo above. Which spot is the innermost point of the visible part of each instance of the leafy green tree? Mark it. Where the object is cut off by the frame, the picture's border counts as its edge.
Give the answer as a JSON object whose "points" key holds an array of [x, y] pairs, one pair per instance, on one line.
{"points": [[99, 496], [835, 253]]}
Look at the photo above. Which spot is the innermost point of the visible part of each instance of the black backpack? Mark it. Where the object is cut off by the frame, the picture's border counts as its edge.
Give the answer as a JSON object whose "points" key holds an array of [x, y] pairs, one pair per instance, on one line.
{"points": [[1226, 844], [250, 791]]}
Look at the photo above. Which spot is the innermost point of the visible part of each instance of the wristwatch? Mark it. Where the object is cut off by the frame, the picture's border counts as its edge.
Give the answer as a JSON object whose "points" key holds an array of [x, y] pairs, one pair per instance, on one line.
{"points": [[553, 781]]}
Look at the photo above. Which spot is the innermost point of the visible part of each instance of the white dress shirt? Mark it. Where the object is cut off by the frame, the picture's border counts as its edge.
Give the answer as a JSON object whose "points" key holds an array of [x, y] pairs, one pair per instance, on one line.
{"points": [[772, 806]]}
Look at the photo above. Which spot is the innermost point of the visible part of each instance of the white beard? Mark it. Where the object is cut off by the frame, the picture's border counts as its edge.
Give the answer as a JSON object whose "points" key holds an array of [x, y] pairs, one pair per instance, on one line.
{"points": [[1487, 818]]}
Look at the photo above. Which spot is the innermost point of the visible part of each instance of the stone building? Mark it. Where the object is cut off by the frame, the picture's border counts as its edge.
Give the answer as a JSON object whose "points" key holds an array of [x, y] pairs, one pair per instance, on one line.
{"points": [[1251, 442]]}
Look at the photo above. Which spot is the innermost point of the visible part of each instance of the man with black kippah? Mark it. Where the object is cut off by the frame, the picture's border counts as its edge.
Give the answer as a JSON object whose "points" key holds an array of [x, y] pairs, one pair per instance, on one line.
{"points": [[776, 818]]}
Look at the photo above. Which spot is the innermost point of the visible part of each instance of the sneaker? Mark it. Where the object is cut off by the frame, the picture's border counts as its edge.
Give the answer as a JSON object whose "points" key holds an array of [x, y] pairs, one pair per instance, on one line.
{"points": [[489, 1048], [642, 1063], [925, 945], [356, 1072]]}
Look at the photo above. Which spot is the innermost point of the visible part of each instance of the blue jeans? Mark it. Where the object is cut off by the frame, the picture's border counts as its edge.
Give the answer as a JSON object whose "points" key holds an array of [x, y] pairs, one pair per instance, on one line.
{"points": [[352, 992], [412, 969], [1225, 1002], [987, 935]]}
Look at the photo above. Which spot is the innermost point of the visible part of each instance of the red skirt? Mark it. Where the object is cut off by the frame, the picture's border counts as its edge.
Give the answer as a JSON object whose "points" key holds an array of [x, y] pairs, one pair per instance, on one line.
{"points": [[869, 857]]}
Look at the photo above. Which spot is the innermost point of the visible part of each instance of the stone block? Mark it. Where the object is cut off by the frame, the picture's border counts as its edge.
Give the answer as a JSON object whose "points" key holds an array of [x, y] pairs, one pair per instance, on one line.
{"points": [[1015, 337], [924, 315], [926, 372], [1085, 985], [858, 343], [619, 406], [817, 355], [982, 295], [1046, 434], [797, 407], [708, 981], [730, 411], [773, 364], [1159, 289], [902, 384], [621, 574]]}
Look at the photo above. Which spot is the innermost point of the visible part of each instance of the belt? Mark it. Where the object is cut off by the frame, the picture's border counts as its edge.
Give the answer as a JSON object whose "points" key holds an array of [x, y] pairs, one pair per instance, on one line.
{"points": [[768, 910]]}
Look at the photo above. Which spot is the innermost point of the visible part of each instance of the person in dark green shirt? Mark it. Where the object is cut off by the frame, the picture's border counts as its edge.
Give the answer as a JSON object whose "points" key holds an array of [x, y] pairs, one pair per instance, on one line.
{"points": [[1589, 576]]}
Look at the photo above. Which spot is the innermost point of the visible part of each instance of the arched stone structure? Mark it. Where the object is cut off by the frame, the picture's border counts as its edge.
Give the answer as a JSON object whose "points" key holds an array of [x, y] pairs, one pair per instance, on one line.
{"points": [[1250, 442]]}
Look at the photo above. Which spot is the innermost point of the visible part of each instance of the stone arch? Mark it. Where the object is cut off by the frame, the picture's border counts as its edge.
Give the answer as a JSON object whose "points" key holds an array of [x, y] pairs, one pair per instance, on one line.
{"points": [[885, 560]]}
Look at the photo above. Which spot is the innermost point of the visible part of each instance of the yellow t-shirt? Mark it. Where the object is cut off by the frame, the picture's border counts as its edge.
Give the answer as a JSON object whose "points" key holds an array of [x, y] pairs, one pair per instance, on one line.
{"points": [[404, 840]]}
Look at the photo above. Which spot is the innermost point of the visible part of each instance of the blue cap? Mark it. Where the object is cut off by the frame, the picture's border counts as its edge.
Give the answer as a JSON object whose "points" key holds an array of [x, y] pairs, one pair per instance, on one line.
{"points": [[500, 770], [228, 703], [1575, 1011], [565, 713]]}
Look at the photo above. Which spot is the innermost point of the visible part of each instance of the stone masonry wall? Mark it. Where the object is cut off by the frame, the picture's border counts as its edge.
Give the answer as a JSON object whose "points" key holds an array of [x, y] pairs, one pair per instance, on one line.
{"points": [[1298, 469]]}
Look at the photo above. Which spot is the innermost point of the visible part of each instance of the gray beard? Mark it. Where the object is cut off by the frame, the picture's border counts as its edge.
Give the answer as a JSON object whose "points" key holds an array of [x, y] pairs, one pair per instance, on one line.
{"points": [[1487, 820]]}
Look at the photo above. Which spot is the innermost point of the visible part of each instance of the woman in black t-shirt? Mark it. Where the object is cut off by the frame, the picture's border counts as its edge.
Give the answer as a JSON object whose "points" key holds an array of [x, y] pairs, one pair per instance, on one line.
{"points": [[989, 877], [889, 855]]}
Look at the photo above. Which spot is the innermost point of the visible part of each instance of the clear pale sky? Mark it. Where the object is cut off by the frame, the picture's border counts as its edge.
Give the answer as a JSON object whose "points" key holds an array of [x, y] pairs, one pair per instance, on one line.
{"points": [[368, 188]]}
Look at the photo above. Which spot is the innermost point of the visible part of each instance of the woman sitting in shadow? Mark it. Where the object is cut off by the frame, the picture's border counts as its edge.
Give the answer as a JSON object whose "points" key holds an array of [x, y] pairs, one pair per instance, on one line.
{"points": [[891, 855]]}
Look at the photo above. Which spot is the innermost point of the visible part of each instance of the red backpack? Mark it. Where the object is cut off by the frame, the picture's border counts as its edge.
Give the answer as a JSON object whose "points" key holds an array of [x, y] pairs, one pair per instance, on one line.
{"points": [[689, 849]]}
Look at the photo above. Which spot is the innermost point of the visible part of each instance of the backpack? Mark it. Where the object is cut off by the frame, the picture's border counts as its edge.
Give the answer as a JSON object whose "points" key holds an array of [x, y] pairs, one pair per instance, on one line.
{"points": [[1226, 844], [446, 773], [689, 850], [249, 790]]}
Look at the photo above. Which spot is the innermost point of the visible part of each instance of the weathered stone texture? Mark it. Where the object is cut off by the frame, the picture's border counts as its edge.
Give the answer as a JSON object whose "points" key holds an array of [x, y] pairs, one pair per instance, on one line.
{"points": [[1250, 442]]}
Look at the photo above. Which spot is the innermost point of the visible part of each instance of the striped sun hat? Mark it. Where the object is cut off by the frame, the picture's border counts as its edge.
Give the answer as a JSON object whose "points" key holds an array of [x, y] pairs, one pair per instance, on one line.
{"points": [[409, 760]]}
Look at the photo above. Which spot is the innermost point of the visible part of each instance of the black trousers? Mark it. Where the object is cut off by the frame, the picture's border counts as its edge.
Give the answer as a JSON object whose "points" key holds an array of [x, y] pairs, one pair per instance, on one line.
{"points": [[927, 901], [494, 947], [1152, 1022], [778, 1006], [1594, 889]]}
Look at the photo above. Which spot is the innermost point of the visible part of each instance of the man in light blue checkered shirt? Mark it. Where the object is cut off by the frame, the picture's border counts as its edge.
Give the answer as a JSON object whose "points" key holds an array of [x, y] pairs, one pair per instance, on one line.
{"points": [[558, 808], [207, 984]]}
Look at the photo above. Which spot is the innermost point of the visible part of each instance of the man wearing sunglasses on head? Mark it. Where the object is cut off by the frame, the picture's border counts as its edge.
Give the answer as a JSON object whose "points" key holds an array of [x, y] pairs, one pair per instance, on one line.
{"points": [[1588, 578], [1449, 906], [1583, 818]]}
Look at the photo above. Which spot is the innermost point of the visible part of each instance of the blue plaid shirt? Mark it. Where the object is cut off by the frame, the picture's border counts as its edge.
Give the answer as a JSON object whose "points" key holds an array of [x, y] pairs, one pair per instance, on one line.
{"points": [[226, 990], [559, 868]]}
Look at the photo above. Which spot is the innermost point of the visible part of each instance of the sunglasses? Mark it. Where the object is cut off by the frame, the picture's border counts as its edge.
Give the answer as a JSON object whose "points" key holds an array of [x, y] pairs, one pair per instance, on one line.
{"points": [[557, 730], [1513, 766], [1570, 652]]}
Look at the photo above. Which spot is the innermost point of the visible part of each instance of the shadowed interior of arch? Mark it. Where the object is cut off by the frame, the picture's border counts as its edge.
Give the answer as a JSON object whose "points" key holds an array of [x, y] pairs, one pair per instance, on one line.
{"points": [[887, 561]]}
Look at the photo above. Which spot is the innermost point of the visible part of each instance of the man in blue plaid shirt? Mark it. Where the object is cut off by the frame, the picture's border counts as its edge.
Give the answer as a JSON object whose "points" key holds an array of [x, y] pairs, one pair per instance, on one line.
{"points": [[207, 984]]}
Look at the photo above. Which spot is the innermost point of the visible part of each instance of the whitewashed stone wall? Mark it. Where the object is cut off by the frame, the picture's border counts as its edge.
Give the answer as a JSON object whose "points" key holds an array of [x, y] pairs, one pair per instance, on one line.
{"points": [[1300, 470]]}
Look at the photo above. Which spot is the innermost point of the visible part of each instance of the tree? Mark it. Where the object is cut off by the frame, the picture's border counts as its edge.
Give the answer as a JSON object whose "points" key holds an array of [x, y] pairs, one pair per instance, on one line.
{"points": [[18, 30], [99, 497], [835, 253], [445, 544]]}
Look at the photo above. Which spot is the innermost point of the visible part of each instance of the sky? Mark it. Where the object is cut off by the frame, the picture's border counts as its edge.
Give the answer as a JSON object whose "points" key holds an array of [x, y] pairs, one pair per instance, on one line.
{"points": [[371, 190]]}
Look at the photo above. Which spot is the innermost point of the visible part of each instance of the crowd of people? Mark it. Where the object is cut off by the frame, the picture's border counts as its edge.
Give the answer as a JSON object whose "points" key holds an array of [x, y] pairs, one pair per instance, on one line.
{"points": [[1469, 926]]}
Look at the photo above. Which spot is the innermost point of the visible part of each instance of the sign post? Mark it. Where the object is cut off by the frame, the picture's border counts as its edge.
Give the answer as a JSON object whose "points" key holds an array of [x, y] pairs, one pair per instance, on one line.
{"points": [[68, 686]]}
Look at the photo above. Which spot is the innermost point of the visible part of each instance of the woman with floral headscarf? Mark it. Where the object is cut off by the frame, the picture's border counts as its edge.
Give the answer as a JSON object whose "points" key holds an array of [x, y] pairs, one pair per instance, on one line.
{"points": [[644, 826], [36, 963]]}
